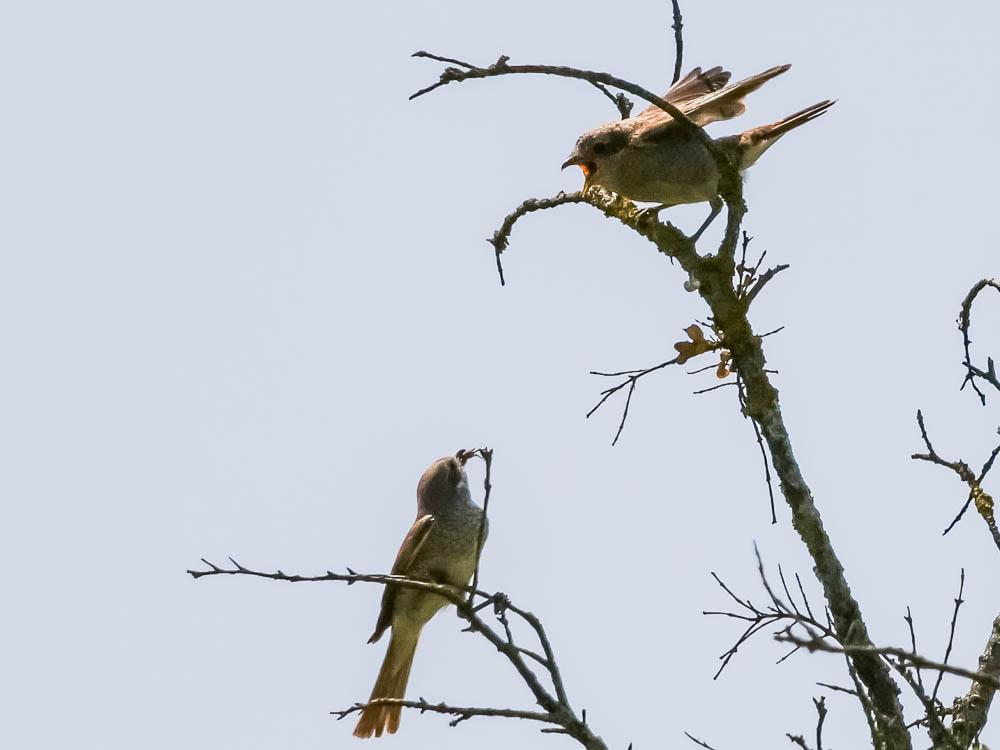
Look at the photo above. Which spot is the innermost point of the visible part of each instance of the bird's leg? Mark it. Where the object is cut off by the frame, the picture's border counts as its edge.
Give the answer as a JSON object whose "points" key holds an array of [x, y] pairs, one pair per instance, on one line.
{"points": [[716, 204], [654, 211]]}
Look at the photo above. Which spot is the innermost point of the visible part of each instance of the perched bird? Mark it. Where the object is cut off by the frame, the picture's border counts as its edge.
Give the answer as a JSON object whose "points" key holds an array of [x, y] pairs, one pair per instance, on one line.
{"points": [[649, 158], [441, 546]]}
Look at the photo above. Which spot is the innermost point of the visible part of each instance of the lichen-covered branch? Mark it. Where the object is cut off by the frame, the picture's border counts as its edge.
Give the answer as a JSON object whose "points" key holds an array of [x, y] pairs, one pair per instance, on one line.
{"points": [[715, 274], [971, 710]]}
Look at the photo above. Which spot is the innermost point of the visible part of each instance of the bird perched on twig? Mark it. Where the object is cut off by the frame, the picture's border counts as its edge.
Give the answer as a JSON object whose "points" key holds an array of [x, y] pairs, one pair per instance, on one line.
{"points": [[442, 546], [649, 158]]}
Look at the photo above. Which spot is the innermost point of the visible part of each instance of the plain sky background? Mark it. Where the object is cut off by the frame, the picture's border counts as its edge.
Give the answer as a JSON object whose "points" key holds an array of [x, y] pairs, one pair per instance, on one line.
{"points": [[245, 299]]}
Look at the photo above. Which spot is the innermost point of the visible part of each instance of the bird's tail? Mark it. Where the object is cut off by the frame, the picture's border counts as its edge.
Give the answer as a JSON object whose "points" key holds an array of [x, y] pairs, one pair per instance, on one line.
{"points": [[391, 683], [755, 142]]}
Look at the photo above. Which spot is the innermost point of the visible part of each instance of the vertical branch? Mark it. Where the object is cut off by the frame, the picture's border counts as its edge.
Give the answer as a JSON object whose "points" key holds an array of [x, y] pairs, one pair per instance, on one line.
{"points": [[678, 40], [971, 710], [487, 455]]}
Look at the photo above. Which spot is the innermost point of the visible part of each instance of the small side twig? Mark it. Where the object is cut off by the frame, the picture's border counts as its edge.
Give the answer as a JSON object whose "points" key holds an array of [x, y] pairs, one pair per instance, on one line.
{"points": [[785, 614], [700, 743], [951, 633], [622, 102], [763, 450], [631, 379]]}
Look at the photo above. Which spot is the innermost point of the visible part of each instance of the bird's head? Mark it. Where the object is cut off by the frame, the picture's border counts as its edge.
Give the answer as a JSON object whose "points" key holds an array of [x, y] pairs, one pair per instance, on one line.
{"points": [[594, 148], [443, 484]]}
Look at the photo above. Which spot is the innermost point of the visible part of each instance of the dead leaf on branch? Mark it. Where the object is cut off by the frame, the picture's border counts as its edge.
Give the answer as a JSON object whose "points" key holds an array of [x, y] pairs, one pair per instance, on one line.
{"points": [[698, 344]]}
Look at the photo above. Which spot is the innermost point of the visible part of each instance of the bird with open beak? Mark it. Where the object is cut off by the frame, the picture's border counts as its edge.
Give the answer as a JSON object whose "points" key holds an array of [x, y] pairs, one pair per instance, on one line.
{"points": [[649, 158]]}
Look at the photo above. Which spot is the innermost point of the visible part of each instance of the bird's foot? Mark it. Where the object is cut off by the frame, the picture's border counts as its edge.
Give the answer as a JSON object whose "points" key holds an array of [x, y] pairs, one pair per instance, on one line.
{"points": [[652, 213]]}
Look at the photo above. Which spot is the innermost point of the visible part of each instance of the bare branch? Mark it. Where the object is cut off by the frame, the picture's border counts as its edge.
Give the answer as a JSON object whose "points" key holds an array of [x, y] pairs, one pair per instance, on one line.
{"points": [[779, 613], [698, 742], [622, 102], [815, 644], [501, 237], [631, 379], [461, 713], [989, 375], [982, 499], [951, 634], [557, 708], [501, 68], [678, 41]]}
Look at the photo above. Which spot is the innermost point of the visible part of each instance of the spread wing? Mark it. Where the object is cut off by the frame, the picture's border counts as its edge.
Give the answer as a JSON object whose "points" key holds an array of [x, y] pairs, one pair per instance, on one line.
{"points": [[408, 552], [705, 107], [695, 84]]}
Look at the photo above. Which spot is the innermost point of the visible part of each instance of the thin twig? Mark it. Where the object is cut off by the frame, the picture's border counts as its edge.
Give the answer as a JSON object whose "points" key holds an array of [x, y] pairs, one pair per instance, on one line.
{"points": [[631, 379], [951, 633], [622, 102], [678, 41], [696, 741]]}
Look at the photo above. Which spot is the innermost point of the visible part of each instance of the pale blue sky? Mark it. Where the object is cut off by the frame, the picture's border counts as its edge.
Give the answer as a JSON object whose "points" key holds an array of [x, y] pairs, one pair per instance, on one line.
{"points": [[245, 299]]}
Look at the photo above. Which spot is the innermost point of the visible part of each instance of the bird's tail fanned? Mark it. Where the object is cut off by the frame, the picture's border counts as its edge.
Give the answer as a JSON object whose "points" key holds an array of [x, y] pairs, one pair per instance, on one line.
{"points": [[391, 683], [755, 142]]}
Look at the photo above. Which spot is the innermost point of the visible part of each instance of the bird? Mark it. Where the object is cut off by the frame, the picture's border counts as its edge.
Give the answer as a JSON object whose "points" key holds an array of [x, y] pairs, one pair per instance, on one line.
{"points": [[649, 158], [442, 546]]}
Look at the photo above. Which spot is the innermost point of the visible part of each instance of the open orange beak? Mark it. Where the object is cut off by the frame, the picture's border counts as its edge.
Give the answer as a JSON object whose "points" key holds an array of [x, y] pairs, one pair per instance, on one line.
{"points": [[584, 167]]}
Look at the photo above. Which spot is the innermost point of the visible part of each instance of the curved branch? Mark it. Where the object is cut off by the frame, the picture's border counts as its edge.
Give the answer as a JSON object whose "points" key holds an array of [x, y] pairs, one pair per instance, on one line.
{"points": [[729, 183], [989, 375]]}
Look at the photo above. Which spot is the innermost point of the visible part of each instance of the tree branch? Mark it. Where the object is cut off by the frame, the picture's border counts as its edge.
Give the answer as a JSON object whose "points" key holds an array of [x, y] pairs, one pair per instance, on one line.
{"points": [[678, 41], [971, 710], [989, 375], [462, 713], [730, 186], [982, 499], [814, 644], [557, 709], [713, 275]]}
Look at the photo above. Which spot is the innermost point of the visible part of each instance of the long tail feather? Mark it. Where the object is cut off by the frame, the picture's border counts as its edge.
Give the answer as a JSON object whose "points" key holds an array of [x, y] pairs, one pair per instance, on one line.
{"points": [[755, 142], [391, 683]]}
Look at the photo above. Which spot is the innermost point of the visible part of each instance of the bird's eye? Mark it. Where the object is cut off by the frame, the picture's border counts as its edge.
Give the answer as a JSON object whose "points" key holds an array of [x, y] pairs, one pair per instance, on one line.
{"points": [[600, 148]]}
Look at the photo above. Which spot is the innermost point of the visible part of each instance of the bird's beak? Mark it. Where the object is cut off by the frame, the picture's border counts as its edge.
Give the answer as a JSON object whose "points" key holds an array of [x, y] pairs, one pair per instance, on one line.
{"points": [[574, 159], [585, 167]]}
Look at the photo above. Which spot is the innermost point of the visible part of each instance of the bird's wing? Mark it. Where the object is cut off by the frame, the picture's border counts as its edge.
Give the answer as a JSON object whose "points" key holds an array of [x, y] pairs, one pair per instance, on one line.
{"points": [[408, 552], [695, 84], [722, 104]]}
